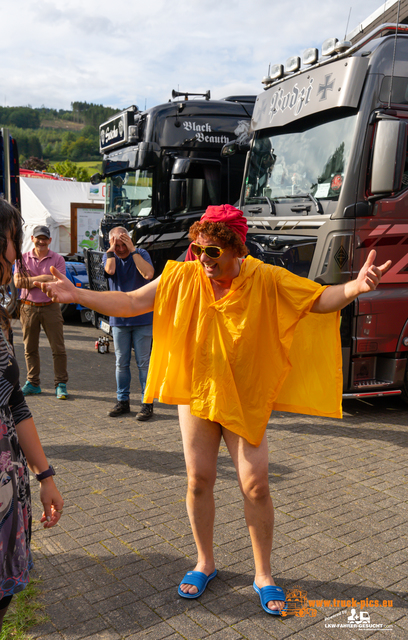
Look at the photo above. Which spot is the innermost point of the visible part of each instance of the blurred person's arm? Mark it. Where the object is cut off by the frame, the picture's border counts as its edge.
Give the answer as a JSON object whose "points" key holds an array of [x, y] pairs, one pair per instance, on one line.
{"points": [[339, 296], [49, 495], [109, 303], [110, 264]]}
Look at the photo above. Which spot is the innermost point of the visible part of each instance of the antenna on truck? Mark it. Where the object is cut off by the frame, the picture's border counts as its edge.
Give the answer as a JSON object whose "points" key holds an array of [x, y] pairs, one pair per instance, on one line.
{"points": [[394, 53], [348, 20]]}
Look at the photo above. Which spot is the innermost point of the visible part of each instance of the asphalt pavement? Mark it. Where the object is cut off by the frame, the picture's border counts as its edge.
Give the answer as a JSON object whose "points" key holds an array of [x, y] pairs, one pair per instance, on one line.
{"points": [[110, 569]]}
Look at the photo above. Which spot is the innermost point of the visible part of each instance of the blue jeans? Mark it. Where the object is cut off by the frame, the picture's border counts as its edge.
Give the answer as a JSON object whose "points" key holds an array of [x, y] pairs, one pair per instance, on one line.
{"points": [[124, 338]]}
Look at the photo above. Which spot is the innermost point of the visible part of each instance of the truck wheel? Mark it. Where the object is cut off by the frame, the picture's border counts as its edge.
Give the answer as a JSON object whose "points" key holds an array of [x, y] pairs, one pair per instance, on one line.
{"points": [[87, 315], [404, 393], [69, 311]]}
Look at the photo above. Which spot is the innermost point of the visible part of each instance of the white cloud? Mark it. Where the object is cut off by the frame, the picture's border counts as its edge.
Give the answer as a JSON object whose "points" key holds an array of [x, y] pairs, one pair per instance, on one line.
{"points": [[121, 53]]}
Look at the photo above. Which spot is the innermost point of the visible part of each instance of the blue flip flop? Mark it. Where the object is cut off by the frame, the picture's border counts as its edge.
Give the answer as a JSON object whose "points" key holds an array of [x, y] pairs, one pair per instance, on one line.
{"points": [[199, 580], [266, 594]]}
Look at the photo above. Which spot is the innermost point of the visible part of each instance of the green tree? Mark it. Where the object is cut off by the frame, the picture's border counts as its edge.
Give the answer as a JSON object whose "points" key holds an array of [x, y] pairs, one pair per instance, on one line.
{"points": [[69, 169], [25, 118], [28, 142], [68, 140], [83, 149]]}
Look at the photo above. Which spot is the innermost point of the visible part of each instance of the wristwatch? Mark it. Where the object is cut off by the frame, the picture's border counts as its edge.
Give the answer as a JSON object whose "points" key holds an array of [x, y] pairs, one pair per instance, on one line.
{"points": [[45, 474], [135, 251]]}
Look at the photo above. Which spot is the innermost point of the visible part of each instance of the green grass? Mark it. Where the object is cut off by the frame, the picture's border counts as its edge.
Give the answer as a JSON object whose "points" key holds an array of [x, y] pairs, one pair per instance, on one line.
{"points": [[23, 613], [93, 166]]}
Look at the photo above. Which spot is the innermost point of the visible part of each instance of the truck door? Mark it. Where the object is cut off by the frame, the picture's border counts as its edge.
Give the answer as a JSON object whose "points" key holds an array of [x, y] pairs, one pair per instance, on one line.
{"points": [[378, 353]]}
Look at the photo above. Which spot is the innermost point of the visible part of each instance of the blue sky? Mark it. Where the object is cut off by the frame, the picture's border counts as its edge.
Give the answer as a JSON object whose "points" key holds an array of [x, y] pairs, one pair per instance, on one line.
{"points": [[120, 53]]}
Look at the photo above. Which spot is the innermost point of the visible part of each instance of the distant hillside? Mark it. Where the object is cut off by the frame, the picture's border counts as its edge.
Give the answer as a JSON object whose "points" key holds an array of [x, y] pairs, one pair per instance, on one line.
{"points": [[56, 123], [57, 135]]}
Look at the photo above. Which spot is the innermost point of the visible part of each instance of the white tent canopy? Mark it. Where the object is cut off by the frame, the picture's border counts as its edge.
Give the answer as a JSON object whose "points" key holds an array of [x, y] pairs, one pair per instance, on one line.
{"points": [[48, 202]]}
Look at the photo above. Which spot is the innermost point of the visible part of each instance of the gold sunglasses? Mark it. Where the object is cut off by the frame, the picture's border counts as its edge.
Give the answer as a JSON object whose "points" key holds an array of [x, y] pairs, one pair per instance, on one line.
{"points": [[211, 252]]}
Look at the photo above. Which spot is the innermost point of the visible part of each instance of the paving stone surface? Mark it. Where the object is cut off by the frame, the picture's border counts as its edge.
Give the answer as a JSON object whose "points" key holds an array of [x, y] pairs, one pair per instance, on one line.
{"points": [[110, 569]]}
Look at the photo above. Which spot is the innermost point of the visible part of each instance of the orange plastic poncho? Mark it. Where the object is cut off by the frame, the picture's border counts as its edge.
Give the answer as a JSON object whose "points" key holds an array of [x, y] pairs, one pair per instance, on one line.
{"points": [[234, 360]]}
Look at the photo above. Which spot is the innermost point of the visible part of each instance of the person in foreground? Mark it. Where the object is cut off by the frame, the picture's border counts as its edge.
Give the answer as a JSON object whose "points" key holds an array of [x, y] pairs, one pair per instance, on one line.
{"points": [[19, 442], [232, 340]]}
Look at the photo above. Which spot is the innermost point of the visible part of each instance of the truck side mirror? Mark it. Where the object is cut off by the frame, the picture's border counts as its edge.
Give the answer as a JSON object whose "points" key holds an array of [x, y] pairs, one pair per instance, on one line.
{"points": [[96, 178], [178, 194], [231, 148], [390, 150]]}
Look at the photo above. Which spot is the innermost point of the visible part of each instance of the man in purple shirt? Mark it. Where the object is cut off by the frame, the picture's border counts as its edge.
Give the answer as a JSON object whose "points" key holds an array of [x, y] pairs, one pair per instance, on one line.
{"points": [[38, 311]]}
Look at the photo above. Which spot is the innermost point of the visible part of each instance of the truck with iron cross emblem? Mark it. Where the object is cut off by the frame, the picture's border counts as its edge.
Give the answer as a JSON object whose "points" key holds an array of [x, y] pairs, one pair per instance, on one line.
{"points": [[326, 181]]}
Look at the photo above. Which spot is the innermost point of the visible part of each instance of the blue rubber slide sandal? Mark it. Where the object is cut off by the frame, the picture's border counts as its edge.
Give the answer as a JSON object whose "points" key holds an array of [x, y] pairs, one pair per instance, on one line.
{"points": [[266, 594], [199, 580]]}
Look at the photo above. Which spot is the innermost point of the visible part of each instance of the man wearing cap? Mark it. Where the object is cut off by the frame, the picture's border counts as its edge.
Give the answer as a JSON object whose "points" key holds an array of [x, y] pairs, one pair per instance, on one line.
{"points": [[37, 311], [233, 339]]}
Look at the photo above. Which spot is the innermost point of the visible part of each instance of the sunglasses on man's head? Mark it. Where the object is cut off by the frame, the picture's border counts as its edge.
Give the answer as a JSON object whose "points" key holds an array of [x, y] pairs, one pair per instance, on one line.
{"points": [[212, 252]]}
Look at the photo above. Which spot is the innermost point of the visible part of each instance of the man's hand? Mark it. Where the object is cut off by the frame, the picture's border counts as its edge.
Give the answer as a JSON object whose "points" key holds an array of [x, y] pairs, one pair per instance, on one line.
{"points": [[112, 243], [339, 296], [59, 288], [127, 240], [369, 277]]}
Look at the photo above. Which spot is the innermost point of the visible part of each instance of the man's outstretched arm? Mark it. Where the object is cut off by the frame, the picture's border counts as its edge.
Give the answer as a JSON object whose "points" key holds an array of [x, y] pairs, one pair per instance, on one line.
{"points": [[108, 303], [338, 296]]}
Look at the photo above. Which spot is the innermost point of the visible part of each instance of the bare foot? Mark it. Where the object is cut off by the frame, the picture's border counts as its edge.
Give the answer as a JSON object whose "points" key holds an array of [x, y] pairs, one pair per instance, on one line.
{"points": [[268, 581], [208, 569]]}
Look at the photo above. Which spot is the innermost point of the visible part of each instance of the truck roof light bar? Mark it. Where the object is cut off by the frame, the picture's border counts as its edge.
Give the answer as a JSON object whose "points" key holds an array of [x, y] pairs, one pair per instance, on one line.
{"points": [[329, 47], [332, 47], [292, 64], [276, 71], [343, 46], [310, 56]]}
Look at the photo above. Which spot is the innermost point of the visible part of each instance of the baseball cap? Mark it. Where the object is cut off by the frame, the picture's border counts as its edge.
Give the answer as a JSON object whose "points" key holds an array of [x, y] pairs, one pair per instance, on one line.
{"points": [[41, 231]]}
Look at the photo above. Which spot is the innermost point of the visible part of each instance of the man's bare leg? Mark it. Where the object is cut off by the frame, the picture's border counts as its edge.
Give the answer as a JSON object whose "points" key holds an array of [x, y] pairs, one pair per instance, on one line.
{"points": [[251, 464], [201, 441]]}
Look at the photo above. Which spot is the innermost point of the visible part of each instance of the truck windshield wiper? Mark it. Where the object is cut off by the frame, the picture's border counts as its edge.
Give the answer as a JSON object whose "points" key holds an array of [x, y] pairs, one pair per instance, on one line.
{"points": [[271, 205], [316, 202]]}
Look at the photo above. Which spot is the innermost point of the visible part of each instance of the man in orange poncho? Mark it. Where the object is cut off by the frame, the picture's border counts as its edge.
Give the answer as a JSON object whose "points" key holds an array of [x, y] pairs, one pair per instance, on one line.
{"points": [[234, 339]]}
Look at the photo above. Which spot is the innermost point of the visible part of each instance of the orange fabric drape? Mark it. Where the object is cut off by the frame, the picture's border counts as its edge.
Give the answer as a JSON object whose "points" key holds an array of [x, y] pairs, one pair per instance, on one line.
{"points": [[257, 349]]}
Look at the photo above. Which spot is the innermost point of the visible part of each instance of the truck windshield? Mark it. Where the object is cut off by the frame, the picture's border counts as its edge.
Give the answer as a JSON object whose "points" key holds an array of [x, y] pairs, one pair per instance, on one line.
{"points": [[129, 192], [293, 162]]}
